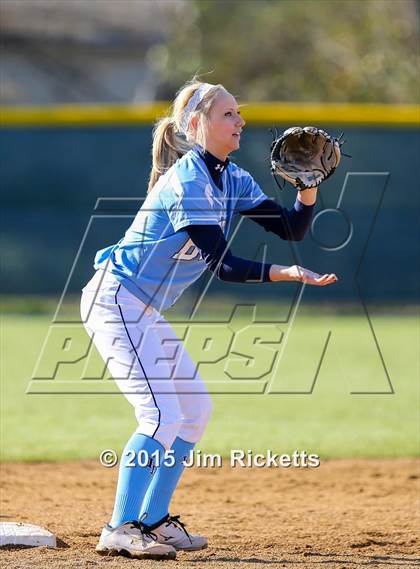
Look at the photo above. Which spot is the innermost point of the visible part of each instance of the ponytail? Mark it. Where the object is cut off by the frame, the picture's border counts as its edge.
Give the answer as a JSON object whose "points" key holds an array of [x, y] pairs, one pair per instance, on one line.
{"points": [[173, 136], [168, 146]]}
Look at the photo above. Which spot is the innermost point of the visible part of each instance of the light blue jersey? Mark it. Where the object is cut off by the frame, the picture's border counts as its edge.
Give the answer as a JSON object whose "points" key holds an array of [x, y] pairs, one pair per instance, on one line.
{"points": [[156, 261]]}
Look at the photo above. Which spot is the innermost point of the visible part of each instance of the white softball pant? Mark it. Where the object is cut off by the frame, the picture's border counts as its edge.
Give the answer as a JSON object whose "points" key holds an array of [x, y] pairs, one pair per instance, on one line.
{"points": [[147, 361]]}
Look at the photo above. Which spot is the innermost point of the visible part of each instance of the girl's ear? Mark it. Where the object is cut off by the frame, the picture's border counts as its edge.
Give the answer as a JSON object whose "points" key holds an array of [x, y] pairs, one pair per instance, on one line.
{"points": [[194, 122]]}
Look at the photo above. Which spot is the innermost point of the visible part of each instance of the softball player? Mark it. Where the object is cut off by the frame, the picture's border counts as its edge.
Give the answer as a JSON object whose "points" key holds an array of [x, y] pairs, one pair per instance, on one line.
{"points": [[179, 232]]}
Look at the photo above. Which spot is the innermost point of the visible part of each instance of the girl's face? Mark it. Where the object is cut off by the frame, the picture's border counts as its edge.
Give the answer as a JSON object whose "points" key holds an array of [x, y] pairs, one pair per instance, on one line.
{"points": [[224, 126]]}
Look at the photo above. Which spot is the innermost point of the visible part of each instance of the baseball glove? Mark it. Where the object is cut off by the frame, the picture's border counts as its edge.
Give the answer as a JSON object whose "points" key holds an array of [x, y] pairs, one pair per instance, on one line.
{"points": [[305, 157]]}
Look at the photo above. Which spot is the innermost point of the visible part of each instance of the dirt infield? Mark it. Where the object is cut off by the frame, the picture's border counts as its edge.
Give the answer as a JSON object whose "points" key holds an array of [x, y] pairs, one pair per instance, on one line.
{"points": [[344, 514]]}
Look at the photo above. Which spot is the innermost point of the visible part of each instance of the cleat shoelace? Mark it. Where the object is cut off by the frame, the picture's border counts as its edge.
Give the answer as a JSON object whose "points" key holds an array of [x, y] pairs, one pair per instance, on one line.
{"points": [[144, 530], [177, 522]]}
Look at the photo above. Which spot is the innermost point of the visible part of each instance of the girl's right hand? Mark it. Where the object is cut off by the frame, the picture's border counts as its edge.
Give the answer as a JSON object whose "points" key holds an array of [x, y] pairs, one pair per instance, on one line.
{"points": [[300, 274]]}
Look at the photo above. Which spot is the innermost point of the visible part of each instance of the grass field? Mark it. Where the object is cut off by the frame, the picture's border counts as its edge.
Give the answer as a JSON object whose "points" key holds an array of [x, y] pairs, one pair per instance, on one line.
{"points": [[332, 421]]}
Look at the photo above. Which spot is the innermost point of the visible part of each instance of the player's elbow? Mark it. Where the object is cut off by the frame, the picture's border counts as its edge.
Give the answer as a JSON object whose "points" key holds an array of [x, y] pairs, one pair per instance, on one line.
{"points": [[228, 274], [222, 270], [216, 268], [223, 275], [297, 233]]}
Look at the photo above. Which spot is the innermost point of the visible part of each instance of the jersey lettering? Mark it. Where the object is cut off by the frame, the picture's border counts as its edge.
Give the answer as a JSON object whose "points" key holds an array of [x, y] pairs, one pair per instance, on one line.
{"points": [[188, 252]]}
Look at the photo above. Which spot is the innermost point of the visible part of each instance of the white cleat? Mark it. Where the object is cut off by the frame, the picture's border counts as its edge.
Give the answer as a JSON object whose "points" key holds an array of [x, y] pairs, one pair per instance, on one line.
{"points": [[172, 531], [133, 540]]}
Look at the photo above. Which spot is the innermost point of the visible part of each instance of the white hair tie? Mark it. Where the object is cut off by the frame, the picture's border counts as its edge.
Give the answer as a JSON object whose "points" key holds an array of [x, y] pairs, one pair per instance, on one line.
{"points": [[193, 103]]}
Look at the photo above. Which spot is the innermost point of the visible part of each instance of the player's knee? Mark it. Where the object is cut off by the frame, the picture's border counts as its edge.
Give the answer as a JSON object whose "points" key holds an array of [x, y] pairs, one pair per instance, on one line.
{"points": [[196, 415], [171, 418], [202, 410]]}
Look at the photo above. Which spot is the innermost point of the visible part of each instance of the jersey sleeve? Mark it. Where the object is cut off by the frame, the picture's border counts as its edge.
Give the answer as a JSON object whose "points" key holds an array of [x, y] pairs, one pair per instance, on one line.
{"points": [[220, 260], [291, 224], [249, 193], [189, 201]]}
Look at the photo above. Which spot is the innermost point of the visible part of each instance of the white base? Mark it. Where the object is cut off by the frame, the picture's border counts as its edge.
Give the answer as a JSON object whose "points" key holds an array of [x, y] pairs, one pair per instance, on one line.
{"points": [[16, 533]]}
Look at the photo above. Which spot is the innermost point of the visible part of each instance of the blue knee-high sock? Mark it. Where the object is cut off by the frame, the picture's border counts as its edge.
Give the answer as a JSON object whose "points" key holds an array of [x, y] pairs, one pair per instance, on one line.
{"points": [[133, 481], [155, 505]]}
